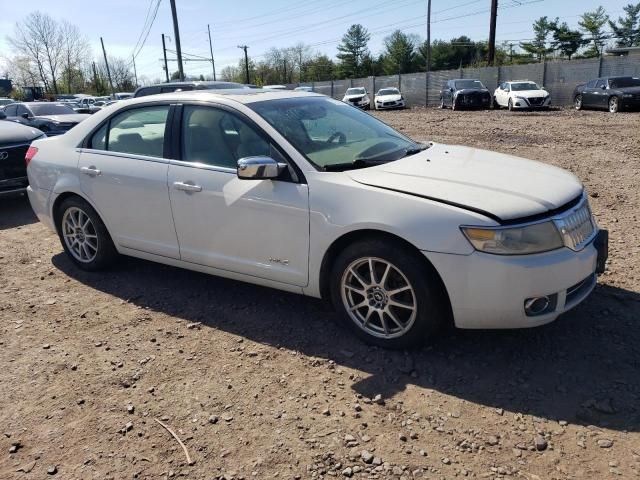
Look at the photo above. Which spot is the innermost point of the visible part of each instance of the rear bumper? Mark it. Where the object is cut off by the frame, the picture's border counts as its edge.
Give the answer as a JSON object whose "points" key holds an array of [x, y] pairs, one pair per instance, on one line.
{"points": [[12, 186], [39, 199], [489, 291]]}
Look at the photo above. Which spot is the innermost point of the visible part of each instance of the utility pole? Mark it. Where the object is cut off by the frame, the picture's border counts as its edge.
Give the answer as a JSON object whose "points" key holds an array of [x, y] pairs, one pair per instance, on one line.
{"points": [[213, 63], [95, 79], [428, 59], [246, 63], [113, 92], [492, 32], [164, 52], [176, 33], [135, 73]]}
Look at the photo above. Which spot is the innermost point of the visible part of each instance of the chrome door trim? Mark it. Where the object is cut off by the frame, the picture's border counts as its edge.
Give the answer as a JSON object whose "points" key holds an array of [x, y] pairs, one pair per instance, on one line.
{"points": [[202, 166], [132, 156]]}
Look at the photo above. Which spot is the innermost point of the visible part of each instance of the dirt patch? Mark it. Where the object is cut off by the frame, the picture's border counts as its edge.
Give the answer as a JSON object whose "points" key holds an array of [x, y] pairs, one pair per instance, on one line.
{"points": [[261, 384]]}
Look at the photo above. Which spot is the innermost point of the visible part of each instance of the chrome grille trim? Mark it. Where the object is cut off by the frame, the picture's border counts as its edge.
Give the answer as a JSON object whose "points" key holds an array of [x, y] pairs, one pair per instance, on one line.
{"points": [[577, 225]]}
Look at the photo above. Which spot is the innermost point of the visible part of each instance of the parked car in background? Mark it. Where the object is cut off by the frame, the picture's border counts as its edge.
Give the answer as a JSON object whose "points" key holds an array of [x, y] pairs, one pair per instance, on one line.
{"points": [[464, 93], [51, 118], [5, 101], [303, 88], [14, 143], [387, 98], [122, 95], [302, 193], [275, 87], [520, 95], [184, 87], [610, 93], [358, 97]]}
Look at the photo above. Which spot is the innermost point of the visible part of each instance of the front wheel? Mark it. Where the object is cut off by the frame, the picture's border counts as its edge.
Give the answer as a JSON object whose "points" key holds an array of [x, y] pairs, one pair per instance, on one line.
{"points": [[577, 102], [385, 295], [614, 105], [442, 103], [510, 105], [84, 236]]}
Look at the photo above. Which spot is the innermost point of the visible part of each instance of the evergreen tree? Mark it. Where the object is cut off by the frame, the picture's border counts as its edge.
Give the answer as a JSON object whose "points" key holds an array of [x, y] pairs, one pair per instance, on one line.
{"points": [[400, 53], [627, 29], [538, 47], [565, 40], [592, 23], [352, 51]]}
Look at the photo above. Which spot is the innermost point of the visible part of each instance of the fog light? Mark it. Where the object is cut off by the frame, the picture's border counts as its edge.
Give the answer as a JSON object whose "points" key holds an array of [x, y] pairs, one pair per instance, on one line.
{"points": [[540, 305]]}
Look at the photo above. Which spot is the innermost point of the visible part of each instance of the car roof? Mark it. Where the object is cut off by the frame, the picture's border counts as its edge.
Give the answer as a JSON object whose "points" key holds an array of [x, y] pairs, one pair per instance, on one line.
{"points": [[240, 95]]}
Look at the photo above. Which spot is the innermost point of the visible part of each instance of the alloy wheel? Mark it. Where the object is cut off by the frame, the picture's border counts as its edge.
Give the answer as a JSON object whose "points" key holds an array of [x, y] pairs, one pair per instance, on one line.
{"points": [[613, 104], [378, 297], [79, 235], [578, 102]]}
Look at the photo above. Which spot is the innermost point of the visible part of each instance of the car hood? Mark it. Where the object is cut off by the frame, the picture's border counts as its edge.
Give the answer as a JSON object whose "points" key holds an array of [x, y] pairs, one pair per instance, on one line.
{"points": [[69, 118], [471, 90], [500, 186], [388, 98], [12, 133], [360, 95], [530, 93]]}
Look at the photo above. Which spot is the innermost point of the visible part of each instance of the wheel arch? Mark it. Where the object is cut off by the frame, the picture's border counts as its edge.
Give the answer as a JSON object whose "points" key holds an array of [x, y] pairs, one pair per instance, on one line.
{"points": [[349, 238], [61, 197]]}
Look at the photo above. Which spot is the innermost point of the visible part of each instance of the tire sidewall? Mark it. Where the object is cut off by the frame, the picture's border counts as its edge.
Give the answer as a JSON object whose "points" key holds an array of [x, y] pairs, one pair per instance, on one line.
{"points": [[106, 250], [430, 314], [577, 102], [617, 104]]}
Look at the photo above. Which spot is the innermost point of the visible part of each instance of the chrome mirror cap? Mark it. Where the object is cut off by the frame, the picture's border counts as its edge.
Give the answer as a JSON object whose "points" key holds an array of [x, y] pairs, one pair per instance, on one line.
{"points": [[259, 168]]}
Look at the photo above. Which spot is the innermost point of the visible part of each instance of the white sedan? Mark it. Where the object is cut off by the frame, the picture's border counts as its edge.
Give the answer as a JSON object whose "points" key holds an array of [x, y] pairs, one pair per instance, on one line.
{"points": [[388, 98], [358, 97], [302, 193], [521, 95]]}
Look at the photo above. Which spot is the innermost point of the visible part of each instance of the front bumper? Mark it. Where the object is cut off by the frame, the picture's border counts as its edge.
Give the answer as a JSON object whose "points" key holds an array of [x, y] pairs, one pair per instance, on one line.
{"points": [[389, 105], [489, 291], [523, 103]]}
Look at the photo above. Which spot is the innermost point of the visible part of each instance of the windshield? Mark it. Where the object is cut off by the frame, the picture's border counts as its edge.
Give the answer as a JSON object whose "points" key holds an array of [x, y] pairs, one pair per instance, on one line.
{"points": [[51, 109], [333, 135], [460, 84], [519, 87], [389, 91], [624, 82], [355, 91]]}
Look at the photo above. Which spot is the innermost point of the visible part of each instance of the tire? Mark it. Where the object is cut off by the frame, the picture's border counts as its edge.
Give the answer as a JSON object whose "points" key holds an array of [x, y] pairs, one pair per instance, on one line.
{"points": [[510, 105], [453, 105], [422, 311], [577, 102], [88, 245], [442, 103], [614, 104], [496, 105]]}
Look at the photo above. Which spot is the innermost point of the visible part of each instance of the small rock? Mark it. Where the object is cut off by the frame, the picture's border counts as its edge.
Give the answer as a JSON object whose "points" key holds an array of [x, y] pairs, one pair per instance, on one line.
{"points": [[540, 443], [213, 419], [80, 401], [402, 437], [446, 461], [130, 409], [563, 423], [13, 449], [396, 470], [347, 472], [605, 443], [46, 346], [128, 427], [377, 461], [492, 440], [413, 435], [52, 470], [366, 456], [326, 412], [227, 417], [378, 399], [516, 452], [357, 407], [500, 411]]}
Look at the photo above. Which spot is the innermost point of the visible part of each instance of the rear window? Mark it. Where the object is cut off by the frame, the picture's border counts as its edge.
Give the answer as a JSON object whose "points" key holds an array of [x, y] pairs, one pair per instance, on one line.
{"points": [[51, 109]]}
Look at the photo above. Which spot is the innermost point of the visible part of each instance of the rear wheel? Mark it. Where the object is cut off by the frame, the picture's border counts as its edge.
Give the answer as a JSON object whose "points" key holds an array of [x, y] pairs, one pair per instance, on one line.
{"points": [[385, 295], [614, 105], [84, 236], [577, 102], [442, 102]]}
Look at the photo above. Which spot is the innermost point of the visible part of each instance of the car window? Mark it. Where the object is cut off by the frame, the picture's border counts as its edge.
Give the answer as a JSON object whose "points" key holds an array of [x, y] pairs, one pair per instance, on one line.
{"points": [[591, 84], [21, 109], [219, 138], [600, 84], [138, 131], [10, 110]]}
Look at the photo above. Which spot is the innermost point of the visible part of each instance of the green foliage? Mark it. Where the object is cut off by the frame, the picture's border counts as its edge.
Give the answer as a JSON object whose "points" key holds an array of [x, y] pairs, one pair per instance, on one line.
{"points": [[627, 29], [400, 53], [592, 23], [460, 51], [538, 48], [175, 75], [566, 40], [352, 51]]}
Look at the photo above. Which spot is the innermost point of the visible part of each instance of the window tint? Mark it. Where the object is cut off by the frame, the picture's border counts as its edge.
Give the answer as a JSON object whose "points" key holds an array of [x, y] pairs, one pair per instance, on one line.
{"points": [[139, 131], [600, 84], [219, 138], [10, 110], [591, 84], [22, 109], [99, 139]]}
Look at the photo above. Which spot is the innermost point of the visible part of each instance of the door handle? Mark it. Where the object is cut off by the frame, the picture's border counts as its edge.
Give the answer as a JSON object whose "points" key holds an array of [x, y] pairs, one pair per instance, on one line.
{"points": [[187, 187], [91, 171]]}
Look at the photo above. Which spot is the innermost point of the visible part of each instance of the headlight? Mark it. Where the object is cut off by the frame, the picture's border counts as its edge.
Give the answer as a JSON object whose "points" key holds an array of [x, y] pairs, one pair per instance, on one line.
{"points": [[628, 95], [539, 237]]}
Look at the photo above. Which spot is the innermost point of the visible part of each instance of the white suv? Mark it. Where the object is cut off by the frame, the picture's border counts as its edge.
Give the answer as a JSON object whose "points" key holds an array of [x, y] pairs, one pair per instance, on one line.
{"points": [[357, 97]]}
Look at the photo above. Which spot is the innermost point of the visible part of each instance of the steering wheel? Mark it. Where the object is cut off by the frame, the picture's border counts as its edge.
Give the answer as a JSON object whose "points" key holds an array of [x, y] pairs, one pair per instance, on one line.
{"points": [[342, 138]]}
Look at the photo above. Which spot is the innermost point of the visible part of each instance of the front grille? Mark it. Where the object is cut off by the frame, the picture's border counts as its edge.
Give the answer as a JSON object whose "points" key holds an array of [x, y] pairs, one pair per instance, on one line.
{"points": [[536, 100], [576, 226], [12, 163], [473, 99], [386, 104], [355, 100]]}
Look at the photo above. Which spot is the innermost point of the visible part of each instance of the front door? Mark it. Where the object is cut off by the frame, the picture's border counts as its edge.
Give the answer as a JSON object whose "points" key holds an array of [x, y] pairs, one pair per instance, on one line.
{"points": [[124, 174], [253, 227]]}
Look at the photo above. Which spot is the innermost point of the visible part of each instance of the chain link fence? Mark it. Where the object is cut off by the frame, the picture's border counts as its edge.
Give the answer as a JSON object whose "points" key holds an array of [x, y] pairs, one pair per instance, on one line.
{"points": [[559, 77]]}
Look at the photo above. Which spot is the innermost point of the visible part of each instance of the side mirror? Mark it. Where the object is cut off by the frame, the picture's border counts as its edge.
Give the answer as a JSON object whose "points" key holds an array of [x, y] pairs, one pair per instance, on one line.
{"points": [[603, 87], [25, 115], [259, 168]]}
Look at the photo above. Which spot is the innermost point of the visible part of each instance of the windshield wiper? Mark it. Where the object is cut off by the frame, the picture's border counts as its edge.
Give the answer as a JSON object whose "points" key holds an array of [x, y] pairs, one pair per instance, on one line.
{"points": [[419, 147], [357, 163]]}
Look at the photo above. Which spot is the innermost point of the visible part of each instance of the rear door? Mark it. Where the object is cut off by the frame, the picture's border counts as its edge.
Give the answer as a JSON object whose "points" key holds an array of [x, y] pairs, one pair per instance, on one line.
{"points": [[588, 94], [600, 94], [123, 171]]}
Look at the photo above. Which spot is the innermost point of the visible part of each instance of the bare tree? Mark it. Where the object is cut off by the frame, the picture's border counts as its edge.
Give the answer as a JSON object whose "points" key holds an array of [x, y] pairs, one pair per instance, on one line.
{"points": [[121, 73], [75, 56]]}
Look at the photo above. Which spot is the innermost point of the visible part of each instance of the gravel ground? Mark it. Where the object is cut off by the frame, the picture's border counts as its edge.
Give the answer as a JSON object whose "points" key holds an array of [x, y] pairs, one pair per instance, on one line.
{"points": [[262, 384]]}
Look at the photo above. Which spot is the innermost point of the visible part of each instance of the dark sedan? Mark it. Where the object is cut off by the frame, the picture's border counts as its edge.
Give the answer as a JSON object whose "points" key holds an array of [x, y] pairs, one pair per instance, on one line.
{"points": [[51, 118], [14, 143], [464, 93], [609, 93]]}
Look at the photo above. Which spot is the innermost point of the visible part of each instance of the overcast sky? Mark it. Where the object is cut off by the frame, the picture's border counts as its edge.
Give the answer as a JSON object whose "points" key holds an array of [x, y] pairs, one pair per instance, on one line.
{"points": [[282, 23]]}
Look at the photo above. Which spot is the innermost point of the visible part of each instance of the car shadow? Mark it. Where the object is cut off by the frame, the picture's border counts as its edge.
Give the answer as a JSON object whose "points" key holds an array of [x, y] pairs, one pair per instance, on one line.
{"points": [[15, 211], [583, 368]]}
